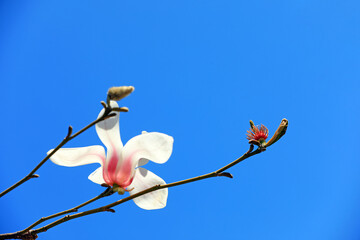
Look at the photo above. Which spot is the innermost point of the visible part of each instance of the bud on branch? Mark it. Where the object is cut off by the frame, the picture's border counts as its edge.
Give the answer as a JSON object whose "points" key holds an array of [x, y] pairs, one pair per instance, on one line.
{"points": [[118, 93], [279, 132]]}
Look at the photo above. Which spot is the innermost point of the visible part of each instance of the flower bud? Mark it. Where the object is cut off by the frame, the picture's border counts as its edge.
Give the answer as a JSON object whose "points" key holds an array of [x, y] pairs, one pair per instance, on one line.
{"points": [[279, 132], [118, 93]]}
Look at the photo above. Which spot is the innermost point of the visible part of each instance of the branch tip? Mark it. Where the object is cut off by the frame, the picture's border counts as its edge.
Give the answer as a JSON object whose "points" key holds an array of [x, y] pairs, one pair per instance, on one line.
{"points": [[225, 174], [251, 148], [124, 109], [120, 109], [110, 210], [70, 129], [103, 104]]}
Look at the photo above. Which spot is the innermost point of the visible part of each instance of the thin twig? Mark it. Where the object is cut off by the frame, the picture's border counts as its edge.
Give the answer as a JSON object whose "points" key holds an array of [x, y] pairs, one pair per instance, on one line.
{"points": [[62, 143], [18, 234], [27, 233], [154, 188], [32, 234]]}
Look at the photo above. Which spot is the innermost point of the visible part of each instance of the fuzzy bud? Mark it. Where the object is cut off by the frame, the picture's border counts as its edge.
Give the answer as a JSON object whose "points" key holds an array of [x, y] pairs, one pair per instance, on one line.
{"points": [[118, 93]]}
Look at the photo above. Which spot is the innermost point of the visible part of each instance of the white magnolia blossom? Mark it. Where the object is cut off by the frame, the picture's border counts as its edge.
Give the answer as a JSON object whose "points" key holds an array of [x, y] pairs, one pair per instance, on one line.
{"points": [[121, 165]]}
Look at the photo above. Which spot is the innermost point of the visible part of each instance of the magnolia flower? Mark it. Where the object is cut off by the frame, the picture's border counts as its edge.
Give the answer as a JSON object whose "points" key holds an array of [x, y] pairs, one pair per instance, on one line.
{"points": [[120, 167]]}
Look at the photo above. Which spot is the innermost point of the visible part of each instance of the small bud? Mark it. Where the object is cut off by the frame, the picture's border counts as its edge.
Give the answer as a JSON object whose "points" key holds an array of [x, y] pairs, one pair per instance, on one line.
{"points": [[124, 109], [118, 189], [118, 93], [252, 125], [120, 109], [279, 132]]}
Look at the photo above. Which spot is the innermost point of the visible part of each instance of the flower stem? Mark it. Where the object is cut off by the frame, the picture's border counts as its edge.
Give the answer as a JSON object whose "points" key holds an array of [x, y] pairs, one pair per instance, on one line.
{"points": [[61, 144]]}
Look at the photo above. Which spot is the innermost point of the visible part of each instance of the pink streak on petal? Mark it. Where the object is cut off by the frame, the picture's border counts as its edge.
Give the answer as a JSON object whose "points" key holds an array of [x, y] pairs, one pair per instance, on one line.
{"points": [[111, 167], [125, 174], [107, 177]]}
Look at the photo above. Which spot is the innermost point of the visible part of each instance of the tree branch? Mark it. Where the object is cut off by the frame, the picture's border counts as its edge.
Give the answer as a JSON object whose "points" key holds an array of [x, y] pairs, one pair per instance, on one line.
{"points": [[22, 233], [32, 234], [68, 137]]}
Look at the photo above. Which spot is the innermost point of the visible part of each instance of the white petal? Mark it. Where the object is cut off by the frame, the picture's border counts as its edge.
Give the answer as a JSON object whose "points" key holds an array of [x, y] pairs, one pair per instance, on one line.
{"points": [[108, 130], [143, 161], [145, 179], [71, 157], [153, 146], [97, 176]]}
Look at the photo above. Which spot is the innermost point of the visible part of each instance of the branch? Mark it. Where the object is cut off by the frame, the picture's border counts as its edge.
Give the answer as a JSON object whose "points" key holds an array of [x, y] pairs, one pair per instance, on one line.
{"points": [[21, 234], [32, 234], [68, 137]]}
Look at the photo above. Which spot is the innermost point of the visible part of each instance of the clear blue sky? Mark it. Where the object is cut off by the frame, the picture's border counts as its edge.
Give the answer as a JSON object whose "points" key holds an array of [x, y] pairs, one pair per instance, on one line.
{"points": [[202, 70]]}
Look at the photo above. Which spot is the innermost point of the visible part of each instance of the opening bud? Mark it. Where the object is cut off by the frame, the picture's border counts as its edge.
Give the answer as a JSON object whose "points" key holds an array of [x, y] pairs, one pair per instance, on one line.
{"points": [[279, 132], [118, 93], [257, 134]]}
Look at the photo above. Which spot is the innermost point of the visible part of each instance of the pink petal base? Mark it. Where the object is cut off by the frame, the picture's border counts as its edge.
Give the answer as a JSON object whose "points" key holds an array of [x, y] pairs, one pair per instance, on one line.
{"points": [[122, 175]]}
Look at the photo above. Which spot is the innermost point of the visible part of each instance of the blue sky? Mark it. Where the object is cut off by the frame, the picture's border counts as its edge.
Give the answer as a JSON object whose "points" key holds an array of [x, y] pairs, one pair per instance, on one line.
{"points": [[201, 71]]}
